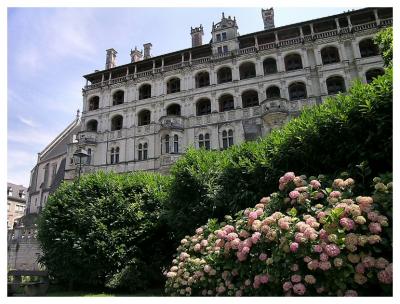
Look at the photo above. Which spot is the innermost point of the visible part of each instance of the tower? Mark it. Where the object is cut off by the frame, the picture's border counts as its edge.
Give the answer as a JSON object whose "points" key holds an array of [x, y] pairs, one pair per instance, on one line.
{"points": [[268, 18], [197, 35], [111, 58], [136, 55], [147, 47]]}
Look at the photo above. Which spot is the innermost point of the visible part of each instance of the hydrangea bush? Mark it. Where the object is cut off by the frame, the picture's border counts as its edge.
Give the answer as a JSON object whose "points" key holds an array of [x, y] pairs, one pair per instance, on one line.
{"points": [[306, 239]]}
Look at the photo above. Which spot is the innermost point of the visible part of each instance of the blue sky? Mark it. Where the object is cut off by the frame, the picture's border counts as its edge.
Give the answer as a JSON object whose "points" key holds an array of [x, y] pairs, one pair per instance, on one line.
{"points": [[49, 49]]}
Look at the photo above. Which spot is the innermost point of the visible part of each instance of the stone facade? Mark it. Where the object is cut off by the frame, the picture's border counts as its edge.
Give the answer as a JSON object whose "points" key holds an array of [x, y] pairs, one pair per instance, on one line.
{"points": [[144, 115], [16, 203]]}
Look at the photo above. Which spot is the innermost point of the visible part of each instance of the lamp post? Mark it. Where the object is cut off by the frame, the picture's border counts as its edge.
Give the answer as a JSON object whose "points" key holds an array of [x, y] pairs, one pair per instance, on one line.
{"points": [[80, 156]]}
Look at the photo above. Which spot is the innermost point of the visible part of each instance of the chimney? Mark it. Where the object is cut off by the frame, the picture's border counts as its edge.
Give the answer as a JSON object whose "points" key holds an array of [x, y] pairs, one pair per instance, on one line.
{"points": [[268, 18], [147, 47], [110, 59], [136, 55], [197, 35]]}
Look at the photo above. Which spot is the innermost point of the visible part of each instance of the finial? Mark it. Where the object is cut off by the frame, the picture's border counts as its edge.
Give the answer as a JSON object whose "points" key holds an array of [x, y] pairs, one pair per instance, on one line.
{"points": [[223, 15], [77, 113]]}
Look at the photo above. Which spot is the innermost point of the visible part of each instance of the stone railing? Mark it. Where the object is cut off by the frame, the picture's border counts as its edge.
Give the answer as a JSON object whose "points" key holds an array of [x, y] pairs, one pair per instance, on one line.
{"points": [[326, 34], [365, 26], [172, 122], [267, 46], [247, 50], [386, 22], [274, 105], [172, 67], [87, 137]]}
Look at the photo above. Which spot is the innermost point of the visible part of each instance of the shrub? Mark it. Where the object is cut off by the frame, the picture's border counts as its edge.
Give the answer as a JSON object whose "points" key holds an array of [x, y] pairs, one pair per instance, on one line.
{"points": [[305, 239], [106, 231]]}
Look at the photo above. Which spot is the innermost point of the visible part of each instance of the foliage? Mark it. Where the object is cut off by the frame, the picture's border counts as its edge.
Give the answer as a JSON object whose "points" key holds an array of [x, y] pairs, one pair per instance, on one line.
{"points": [[306, 239], [385, 41], [106, 231]]}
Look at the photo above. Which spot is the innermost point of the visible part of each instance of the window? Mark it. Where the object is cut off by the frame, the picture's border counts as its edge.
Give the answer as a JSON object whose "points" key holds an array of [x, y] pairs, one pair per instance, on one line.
{"points": [[144, 91], [226, 103], [21, 194], [225, 49], [116, 123], [89, 158], [249, 99], [9, 191], [204, 141], [368, 48], [53, 172], [144, 118], [223, 36], [144, 151], [94, 103], [227, 139], [91, 126], [335, 85], [115, 155], [118, 97], [202, 79], [273, 92], [247, 70], [166, 142], [219, 50], [203, 107], [174, 109], [140, 152], [269, 66], [176, 144], [224, 75], [218, 37], [297, 91], [293, 62], [372, 74], [330, 55], [173, 85]]}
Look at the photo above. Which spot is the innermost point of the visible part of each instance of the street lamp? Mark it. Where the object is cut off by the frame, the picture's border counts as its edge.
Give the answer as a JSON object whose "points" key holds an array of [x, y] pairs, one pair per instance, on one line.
{"points": [[80, 156]]}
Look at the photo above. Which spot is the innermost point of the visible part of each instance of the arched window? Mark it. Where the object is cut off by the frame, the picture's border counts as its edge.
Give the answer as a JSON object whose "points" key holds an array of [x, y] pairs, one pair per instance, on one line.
{"points": [[368, 48], [297, 91], [204, 141], [91, 126], [247, 70], [372, 74], [249, 98], [145, 151], [144, 118], [89, 158], [144, 91], [293, 62], [118, 97], [116, 123], [224, 75], [330, 54], [176, 144], [273, 92], [202, 79], [166, 142], [173, 85], [174, 109], [227, 139], [114, 155], [94, 103], [269, 65], [226, 103], [335, 85], [203, 107]]}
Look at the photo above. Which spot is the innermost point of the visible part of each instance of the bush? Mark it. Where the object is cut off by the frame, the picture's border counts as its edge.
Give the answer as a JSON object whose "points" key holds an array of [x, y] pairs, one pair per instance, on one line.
{"points": [[106, 231], [305, 239]]}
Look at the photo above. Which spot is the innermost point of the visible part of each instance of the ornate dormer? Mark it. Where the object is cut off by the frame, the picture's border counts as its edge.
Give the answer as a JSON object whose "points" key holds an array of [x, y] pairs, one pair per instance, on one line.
{"points": [[224, 35], [268, 18]]}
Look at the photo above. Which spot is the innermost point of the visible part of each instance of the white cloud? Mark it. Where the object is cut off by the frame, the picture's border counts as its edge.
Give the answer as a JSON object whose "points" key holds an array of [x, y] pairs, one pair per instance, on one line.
{"points": [[27, 121], [35, 137]]}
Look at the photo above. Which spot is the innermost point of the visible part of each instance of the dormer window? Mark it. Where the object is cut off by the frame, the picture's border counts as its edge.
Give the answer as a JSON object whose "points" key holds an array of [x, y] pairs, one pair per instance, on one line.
{"points": [[223, 36], [220, 50], [225, 49], [218, 37]]}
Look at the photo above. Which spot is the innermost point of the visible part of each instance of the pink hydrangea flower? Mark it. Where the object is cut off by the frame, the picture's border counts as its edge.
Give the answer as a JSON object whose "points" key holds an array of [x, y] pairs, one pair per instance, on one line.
{"points": [[263, 256], [299, 289], [313, 265], [199, 230], [323, 257], [197, 247], [264, 279], [326, 265], [296, 278], [294, 247], [347, 223], [231, 236], [294, 194], [385, 277], [368, 261], [255, 237], [335, 194], [288, 176], [360, 268], [351, 293], [253, 215], [287, 286], [318, 248], [246, 250], [315, 184], [332, 250], [310, 279], [375, 228]]}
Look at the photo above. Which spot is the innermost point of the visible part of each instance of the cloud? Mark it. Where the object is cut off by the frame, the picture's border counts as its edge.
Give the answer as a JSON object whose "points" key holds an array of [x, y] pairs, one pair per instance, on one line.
{"points": [[28, 122], [33, 137], [19, 165]]}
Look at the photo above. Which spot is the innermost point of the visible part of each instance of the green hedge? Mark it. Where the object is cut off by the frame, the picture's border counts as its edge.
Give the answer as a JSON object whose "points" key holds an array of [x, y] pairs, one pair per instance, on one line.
{"points": [[106, 231]]}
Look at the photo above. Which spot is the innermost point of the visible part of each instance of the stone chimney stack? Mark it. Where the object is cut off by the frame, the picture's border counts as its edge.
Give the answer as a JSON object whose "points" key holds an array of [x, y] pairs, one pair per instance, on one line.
{"points": [[147, 47], [268, 18], [136, 55], [111, 58], [197, 35]]}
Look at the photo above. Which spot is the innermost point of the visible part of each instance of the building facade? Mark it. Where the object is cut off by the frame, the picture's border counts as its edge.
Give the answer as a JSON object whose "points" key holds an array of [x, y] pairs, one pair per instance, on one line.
{"points": [[143, 115], [16, 203]]}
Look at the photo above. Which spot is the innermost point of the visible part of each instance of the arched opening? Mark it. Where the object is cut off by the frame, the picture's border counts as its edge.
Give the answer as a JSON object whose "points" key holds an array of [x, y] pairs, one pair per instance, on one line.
{"points": [[247, 70], [145, 91], [116, 123], [273, 92], [224, 75], [297, 91], [293, 62], [270, 67], [226, 103], [202, 79], [91, 126], [118, 97], [94, 103], [372, 74], [203, 107], [173, 85], [335, 85], [249, 98], [174, 109], [144, 118], [368, 48], [329, 55]]}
